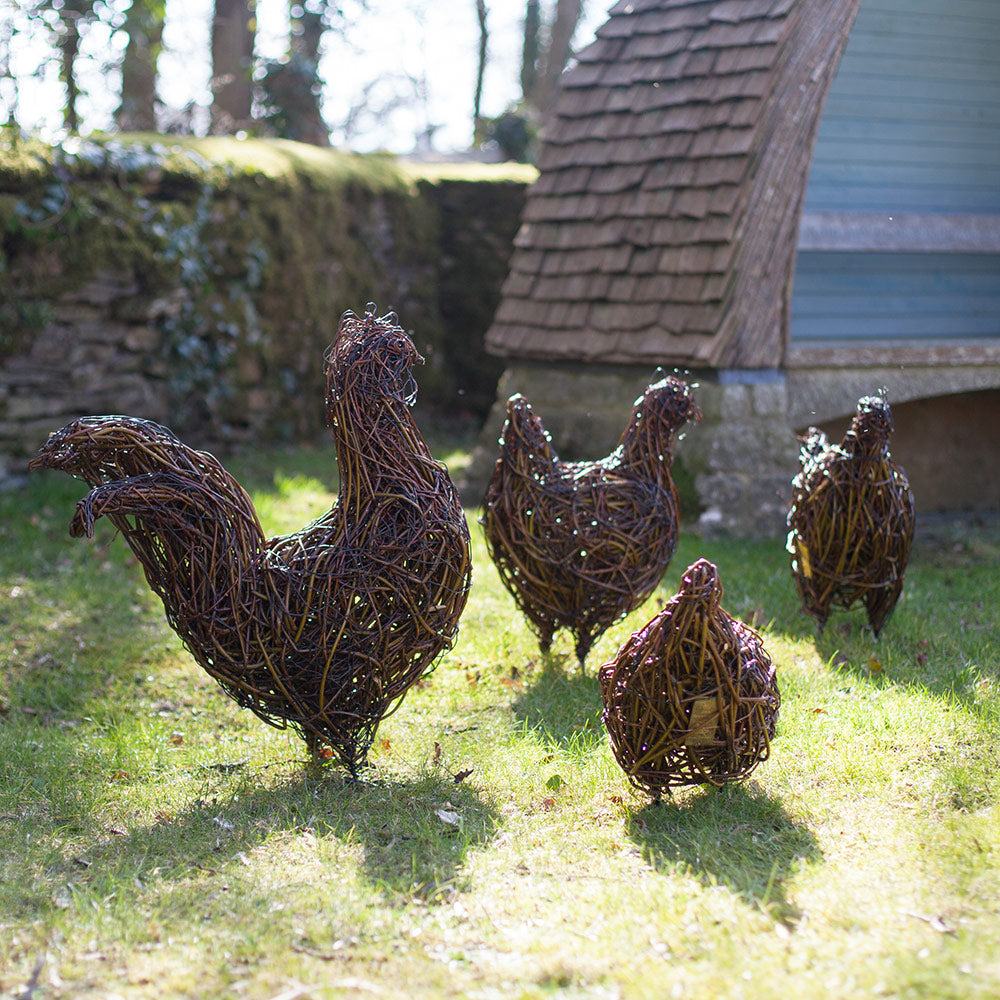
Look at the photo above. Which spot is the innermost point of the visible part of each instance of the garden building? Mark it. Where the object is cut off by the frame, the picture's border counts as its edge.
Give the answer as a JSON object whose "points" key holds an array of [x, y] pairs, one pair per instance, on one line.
{"points": [[796, 202]]}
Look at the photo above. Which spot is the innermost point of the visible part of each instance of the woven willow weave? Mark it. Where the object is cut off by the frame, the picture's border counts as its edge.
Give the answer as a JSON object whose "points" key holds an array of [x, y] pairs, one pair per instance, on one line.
{"points": [[851, 519], [691, 698], [581, 544], [323, 630]]}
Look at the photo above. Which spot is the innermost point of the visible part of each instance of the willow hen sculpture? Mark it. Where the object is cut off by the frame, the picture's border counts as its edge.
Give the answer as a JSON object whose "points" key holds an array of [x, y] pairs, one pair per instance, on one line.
{"points": [[851, 519], [581, 544], [323, 630], [691, 698]]}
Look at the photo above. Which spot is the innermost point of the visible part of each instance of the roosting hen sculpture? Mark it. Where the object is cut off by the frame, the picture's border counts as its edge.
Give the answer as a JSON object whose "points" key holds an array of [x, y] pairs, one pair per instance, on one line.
{"points": [[851, 519], [323, 630], [581, 544], [692, 697]]}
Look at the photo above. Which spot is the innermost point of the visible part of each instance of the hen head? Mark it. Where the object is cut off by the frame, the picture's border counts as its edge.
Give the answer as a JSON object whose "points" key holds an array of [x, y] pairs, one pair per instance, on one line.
{"points": [[669, 402], [871, 427], [657, 415], [371, 358]]}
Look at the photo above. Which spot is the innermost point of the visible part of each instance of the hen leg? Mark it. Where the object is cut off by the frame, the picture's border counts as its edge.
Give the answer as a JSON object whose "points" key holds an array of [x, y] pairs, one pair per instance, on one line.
{"points": [[879, 602]]}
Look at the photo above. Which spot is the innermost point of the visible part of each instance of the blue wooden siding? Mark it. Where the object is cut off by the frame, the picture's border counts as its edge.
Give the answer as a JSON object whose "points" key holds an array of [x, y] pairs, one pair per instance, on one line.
{"points": [[912, 120], [859, 297], [911, 126]]}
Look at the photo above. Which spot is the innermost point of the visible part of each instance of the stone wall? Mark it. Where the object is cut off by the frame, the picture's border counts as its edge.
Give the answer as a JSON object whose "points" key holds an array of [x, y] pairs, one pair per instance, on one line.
{"points": [[203, 295]]}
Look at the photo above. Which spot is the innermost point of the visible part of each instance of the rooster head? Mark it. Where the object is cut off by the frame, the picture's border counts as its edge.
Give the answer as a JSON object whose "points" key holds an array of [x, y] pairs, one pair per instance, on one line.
{"points": [[371, 357]]}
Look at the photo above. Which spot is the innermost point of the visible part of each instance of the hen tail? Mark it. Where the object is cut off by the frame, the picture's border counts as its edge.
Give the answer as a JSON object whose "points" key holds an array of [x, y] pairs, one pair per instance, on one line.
{"points": [[814, 445], [525, 445]]}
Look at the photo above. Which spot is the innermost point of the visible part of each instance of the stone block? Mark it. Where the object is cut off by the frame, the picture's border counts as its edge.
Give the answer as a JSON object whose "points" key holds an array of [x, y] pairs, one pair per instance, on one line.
{"points": [[142, 338], [770, 399], [73, 313], [29, 406], [734, 403]]}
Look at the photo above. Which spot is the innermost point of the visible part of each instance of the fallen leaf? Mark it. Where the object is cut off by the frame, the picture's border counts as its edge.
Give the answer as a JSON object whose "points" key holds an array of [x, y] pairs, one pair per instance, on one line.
{"points": [[176, 739], [875, 666], [921, 659], [555, 782], [384, 743], [818, 711], [461, 776], [448, 816], [436, 756], [548, 804]]}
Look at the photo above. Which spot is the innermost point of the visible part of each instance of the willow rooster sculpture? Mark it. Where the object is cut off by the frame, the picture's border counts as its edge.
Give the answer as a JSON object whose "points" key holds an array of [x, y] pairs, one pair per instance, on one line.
{"points": [[851, 519], [323, 630], [691, 698], [581, 544]]}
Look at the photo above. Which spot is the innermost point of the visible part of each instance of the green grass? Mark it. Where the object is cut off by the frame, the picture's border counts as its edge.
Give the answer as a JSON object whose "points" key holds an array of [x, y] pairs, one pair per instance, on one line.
{"points": [[157, 841]]}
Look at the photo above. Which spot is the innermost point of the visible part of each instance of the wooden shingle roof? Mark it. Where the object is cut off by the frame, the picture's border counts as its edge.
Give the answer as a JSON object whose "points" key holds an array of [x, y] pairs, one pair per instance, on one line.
{"points": [[662, 225]]}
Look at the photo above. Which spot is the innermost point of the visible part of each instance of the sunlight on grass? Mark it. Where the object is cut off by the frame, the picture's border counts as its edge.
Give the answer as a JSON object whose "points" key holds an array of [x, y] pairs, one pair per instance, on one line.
{"points": [[159, 841]]}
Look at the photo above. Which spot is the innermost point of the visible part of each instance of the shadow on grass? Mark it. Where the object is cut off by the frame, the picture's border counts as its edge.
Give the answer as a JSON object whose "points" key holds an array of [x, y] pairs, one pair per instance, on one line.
{"points": [[560, 701], [391, 828], [736, 836]]}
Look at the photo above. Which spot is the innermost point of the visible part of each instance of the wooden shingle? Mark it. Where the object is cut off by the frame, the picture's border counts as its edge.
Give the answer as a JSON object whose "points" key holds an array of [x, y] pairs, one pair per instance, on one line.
{"points": [[653, 231]]}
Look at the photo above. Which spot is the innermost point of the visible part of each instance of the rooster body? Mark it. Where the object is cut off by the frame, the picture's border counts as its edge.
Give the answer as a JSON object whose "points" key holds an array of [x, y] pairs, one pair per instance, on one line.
{"points": [[581, 544], [323, 630], [851, 519]]}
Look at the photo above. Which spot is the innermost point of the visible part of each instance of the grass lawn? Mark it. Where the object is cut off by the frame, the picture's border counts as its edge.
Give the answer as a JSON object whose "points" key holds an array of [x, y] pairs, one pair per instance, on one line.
{"points": [[157, 841]]}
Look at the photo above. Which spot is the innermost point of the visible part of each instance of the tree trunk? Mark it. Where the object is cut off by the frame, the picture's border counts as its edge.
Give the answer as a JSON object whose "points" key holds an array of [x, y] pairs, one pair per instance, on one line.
{"points": [[144, 28], [232, 62], [567, 16], [69, 47], [477, 100], [529, 53], [307, 35]]}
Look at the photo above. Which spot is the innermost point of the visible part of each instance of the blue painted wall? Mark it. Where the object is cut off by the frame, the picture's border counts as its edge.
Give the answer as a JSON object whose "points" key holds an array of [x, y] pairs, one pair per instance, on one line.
{"points": [[911, 127]]}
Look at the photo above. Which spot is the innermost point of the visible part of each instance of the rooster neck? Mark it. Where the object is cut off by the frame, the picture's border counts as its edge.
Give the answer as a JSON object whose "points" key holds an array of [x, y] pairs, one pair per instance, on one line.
{"points": [[383, 450]]}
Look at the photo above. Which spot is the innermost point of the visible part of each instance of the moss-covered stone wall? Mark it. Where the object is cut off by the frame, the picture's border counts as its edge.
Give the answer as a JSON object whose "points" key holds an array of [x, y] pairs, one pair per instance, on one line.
{"points": [[198, 282]]}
